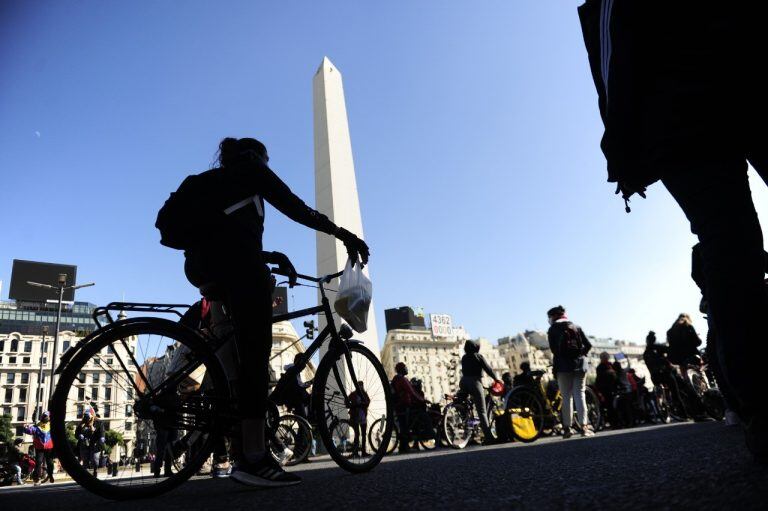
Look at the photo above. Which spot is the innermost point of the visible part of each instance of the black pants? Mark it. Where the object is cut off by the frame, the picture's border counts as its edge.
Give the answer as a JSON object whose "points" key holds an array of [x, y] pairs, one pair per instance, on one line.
{"points": [[717, 201], [239, 271], [44, 462]]}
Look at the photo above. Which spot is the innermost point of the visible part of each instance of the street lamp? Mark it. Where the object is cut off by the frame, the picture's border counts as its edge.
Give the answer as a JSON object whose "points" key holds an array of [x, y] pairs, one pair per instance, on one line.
{"points": [[61, 286], [39, 396]]}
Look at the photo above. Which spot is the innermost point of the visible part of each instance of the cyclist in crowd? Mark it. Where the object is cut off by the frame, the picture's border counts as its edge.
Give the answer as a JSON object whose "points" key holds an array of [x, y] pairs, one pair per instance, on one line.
{"points": [[473, 365], [223, 245], [297, 396], [509, 382], [90, 439], [606, 381], [682, 339], [358, 417], [41, 434], [654, 65], [569, 346], [15, 457], [524, 377], [407, 402]]}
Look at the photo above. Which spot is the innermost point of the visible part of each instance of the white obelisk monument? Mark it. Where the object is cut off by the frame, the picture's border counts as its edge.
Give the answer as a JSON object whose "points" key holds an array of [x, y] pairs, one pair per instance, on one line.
{"points": [[335, 183]]}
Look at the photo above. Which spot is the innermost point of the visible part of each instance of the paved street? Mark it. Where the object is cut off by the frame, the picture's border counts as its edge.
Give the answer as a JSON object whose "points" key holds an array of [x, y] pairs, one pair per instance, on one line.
{"points": [[702, 466]]}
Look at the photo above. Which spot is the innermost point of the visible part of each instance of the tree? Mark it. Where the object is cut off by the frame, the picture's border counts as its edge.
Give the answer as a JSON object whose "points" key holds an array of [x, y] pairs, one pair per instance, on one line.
{"points": [[113, 438], [6, 433], [71, 437]]}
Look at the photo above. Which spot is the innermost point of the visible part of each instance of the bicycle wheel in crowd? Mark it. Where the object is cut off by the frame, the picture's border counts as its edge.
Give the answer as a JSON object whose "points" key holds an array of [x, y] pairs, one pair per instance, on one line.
{"points": [[376, 435], [292, 441], [165, 431], [342, 422], [594, 413], [455, 426], [527, 413]]}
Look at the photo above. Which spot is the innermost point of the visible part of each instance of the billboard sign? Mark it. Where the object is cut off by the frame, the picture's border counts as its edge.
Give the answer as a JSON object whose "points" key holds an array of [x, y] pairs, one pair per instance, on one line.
{"points": [[44, 273], [441, 325]]}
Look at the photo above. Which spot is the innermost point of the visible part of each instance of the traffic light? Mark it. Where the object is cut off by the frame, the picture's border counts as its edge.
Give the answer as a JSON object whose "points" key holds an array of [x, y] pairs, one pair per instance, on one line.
{"points": [[310, 326]]}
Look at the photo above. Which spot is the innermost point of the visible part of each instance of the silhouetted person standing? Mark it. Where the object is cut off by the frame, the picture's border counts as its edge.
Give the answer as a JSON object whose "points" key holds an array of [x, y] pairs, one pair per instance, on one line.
{"points": [[681, 103]]}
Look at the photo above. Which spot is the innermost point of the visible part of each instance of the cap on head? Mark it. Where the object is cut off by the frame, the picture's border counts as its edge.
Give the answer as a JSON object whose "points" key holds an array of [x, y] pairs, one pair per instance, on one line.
{"points": [[471, 346], [556, 312], [46, 415]]}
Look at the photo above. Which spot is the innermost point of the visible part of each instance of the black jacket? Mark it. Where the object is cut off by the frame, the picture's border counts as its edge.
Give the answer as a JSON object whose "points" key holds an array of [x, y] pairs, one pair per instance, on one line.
{"points": [[683, 342], [674, 81], [473, 365], [92, 435], [655, 357], [561, 362]]}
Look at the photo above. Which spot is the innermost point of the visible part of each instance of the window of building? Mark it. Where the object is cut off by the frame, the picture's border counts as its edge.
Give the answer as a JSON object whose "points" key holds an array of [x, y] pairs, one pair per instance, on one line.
{"points": [[11, 360], [128, 426], [110, 361], [11, 378], [110, 350], [94, 393], [19, 430], [21, 414], [96, 361], [108, 378], [79, 411], [25, 360], [40, 393], [108, 394], [107, 410], [81, 377], [129, 393], [96, 377], [129, 410], [81, 394], [2, 345], [24, 378], [14, 345], [8, 396], [23, 394], [65, 346], [27, 346]]}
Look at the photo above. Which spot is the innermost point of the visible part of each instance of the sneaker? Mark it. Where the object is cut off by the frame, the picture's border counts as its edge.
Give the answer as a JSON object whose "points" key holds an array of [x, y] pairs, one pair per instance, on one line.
{"points": [[222, 470], [567, 433], [266, 473], [587, 431]]}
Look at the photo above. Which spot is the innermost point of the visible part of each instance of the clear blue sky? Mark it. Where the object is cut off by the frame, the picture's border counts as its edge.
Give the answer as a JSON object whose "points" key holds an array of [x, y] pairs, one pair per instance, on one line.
{"points": [[474, 128]]}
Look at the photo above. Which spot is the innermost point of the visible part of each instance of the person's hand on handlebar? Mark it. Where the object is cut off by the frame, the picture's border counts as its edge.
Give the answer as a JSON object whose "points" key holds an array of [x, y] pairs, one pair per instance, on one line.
{"points": [[285, 265], [355, 246]]}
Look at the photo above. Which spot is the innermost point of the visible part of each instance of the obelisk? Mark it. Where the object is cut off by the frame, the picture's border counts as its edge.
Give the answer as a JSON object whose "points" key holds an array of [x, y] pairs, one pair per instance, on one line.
{"points": [[335, 183]]}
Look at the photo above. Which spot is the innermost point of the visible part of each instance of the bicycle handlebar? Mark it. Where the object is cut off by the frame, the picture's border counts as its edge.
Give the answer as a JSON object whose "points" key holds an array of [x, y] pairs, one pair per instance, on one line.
{"points": [[317, 280]]}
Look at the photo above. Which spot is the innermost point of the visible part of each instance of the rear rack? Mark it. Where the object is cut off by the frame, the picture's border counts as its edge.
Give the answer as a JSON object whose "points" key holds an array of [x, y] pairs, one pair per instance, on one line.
{"points": [[157, 308]]}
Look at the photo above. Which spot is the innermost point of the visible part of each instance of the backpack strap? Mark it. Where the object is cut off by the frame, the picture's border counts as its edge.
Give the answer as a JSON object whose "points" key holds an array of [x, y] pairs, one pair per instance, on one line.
{"points": [[256, 199]]}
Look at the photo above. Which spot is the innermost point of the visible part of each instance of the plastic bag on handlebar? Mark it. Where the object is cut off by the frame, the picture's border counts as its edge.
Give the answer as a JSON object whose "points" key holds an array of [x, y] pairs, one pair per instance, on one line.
{"points": [[354, 297]]}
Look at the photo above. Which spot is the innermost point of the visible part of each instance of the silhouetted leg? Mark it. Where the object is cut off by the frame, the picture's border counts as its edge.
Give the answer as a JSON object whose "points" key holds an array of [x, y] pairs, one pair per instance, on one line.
{"points": [[718, 203]]}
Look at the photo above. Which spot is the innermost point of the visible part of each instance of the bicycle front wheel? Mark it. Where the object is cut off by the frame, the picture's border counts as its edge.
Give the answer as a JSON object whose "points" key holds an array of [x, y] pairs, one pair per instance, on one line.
{"points": [[159, 394], [455, 426], [350, 393], [376, 435], [292, 440], [527, 414]]}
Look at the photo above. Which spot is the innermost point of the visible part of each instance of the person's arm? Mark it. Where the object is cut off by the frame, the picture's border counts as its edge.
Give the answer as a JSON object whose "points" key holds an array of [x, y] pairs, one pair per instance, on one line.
{"points": [[585, 341], [485, 367], [551, 339]]}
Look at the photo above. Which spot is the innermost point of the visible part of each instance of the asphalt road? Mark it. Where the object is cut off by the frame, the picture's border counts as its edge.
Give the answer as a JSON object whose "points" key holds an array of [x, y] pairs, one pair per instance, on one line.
{"points": [[678, 466]]}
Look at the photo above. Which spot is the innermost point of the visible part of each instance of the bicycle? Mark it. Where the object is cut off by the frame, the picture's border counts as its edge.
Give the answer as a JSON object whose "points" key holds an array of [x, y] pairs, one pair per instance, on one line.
{"points": [[418, 423], [461, 422], [189, 395], [542, 405]]}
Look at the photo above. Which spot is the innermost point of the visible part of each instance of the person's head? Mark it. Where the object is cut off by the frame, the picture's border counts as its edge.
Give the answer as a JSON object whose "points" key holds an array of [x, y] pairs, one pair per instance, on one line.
{"points": [[360, 385], [471, 346], [18, 442], [46, 416], [298, 359], [555, 313], [684, 319], [507, 378], [525, 367], [604, 357], [241, 151], [401, 368], [650, 338], [416, 382]]}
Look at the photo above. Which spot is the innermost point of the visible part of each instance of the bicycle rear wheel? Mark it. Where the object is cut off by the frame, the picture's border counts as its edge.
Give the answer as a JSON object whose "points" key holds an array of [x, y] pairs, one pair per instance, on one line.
{"points": [[455, 426], [344, 424], [527, 413], [295, 434], [376, 435], [154, 369]]}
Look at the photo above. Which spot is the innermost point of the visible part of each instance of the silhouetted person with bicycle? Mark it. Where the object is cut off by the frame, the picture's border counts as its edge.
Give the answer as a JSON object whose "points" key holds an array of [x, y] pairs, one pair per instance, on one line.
{"points": [[217, 218], [681, 100], [407, 403], [473, 365]]}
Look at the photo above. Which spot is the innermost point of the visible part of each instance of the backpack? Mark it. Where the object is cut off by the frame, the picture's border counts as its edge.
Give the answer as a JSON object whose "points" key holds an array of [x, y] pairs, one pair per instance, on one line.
{"points": [[570, 342], [184, 221]]}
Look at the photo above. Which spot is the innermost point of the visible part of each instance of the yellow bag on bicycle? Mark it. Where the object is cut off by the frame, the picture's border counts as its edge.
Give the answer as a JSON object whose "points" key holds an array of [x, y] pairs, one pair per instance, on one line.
{"points": [[523, 427]]}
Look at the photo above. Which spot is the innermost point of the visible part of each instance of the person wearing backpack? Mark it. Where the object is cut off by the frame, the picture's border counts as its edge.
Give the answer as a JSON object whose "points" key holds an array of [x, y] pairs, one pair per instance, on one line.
{"points": [[569, 347], [217, 218]]}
